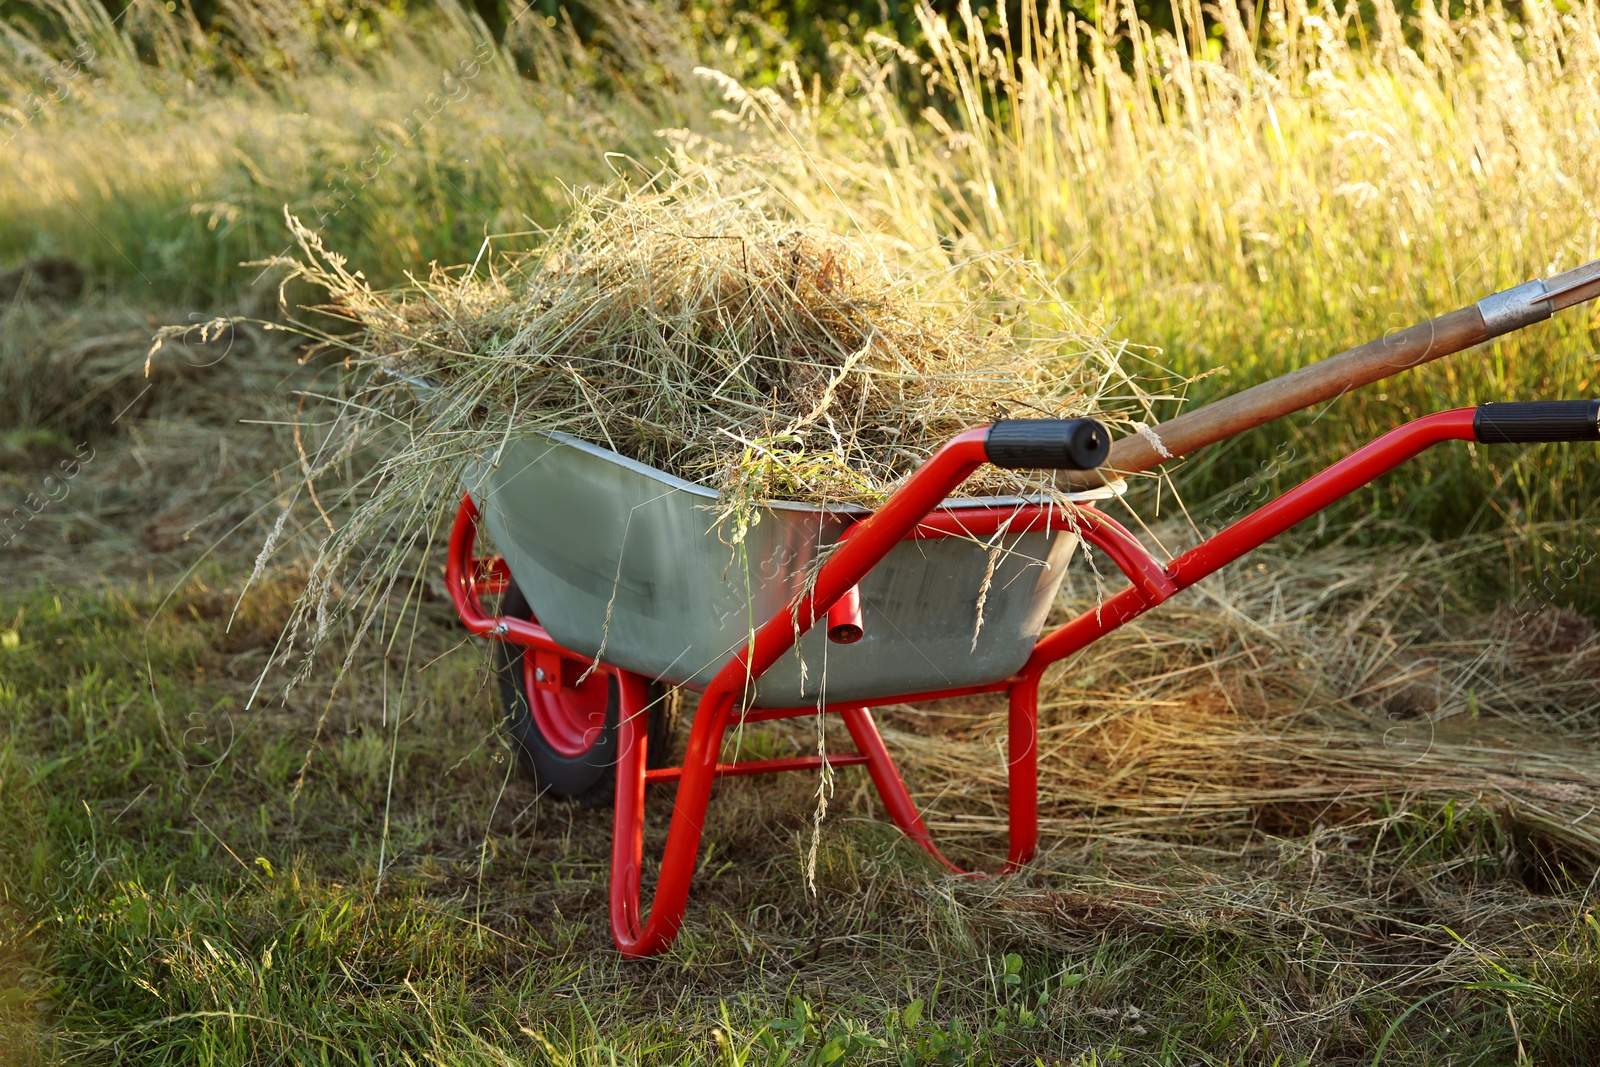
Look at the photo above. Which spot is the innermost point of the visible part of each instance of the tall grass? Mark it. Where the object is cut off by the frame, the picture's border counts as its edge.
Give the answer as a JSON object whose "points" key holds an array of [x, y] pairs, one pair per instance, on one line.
{"points": [[1251, 196], [1243, 194], [163, 157]]}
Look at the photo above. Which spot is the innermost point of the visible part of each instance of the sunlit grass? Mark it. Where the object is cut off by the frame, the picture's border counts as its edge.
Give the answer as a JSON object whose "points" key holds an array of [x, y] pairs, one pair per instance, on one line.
{"points": [[1244, 197], [1252, 197]]}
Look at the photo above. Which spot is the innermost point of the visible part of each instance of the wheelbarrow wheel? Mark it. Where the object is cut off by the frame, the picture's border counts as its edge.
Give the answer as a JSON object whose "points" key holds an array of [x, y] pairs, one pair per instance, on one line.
{"points": [[565, 739]]}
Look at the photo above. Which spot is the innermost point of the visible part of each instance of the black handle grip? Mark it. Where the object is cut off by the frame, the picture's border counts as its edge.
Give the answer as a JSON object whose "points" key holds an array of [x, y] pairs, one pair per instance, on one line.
{"points": [[1048, 444], [1537, 420]]}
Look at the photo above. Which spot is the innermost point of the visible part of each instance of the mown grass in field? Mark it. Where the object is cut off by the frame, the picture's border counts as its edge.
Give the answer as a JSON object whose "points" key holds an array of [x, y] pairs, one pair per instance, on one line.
{"points": [[186, 881]]}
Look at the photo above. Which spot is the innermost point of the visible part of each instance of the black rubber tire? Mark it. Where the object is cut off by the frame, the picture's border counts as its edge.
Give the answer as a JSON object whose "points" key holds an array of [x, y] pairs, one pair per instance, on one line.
{"points": [[591, 776]]}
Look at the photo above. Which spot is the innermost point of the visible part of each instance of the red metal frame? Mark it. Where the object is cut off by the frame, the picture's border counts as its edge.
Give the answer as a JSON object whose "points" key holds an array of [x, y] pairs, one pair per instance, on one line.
{"points": [[911, 512]]}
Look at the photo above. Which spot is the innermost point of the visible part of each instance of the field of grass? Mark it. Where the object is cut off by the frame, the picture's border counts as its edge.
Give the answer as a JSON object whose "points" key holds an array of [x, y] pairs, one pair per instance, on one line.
{"points": [[1337, 806]]}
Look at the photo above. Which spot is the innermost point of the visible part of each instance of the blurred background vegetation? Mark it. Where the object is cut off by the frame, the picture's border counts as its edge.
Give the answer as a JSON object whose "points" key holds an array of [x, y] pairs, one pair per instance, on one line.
{"points": [[1234, 191]]}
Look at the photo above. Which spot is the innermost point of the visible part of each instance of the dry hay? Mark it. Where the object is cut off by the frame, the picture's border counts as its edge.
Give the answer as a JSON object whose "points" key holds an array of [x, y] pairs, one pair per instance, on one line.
{"points": [[1294, 698], [709, 336], [1328, 753], [697, 329]]}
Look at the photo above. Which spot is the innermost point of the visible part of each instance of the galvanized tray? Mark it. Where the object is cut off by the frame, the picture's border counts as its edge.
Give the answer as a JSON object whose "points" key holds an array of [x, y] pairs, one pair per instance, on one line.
{"points": [[623, 561]]}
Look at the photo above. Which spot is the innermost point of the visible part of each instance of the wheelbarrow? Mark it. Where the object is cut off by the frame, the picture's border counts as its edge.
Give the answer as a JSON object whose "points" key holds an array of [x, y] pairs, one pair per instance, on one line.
{"points": [[617, 592]]}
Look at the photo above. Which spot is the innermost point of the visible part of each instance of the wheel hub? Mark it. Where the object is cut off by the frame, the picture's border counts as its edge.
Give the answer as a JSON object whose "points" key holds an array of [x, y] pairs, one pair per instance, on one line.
{"points": [[570, 719]]}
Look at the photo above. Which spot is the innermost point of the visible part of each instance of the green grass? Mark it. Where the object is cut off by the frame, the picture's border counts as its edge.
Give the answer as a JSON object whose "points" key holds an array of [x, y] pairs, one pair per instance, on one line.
{"points": [[171, 898], [411, 151]]}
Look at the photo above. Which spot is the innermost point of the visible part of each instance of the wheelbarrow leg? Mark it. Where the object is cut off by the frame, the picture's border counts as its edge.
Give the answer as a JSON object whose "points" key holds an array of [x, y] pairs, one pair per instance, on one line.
{"points": [[1022, 770], [627, 844], [1022, 776], [891, 787], [636, 934]]}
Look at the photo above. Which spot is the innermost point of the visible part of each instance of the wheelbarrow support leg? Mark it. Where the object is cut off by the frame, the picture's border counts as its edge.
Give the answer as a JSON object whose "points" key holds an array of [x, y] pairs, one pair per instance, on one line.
{"points": [[891, 787], [637, 935], [627, 839], [1022, 771], [1022, 777]]}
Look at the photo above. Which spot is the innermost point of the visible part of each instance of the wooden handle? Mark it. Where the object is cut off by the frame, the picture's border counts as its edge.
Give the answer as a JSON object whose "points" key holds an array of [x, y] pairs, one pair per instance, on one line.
{"points": [[1499, 313], [1294, 391]]}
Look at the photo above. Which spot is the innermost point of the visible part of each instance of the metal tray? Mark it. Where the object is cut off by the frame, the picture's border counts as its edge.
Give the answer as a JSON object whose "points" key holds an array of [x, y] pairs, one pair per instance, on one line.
{"points": [[623, 561]]}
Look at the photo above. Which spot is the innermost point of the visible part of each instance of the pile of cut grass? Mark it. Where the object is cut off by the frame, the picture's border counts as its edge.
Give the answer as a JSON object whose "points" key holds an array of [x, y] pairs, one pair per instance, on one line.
{"points": [[703, 332], [1305, 688], [699, 327]]}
